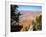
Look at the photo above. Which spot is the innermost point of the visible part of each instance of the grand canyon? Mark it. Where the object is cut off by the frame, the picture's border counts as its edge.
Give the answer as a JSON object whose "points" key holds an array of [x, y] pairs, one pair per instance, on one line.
{"points": [[27, 17]]}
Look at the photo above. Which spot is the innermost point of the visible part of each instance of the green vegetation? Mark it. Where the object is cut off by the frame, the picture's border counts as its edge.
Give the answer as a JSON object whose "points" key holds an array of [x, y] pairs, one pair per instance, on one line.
{"points": [[37, 24], [15, 13]]}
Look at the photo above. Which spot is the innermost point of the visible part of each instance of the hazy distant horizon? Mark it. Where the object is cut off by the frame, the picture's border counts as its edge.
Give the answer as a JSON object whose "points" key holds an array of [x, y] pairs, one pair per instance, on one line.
{"points": [[25, 12]]}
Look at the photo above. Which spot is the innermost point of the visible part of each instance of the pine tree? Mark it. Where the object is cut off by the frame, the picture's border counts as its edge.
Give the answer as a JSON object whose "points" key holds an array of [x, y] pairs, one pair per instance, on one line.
{"points": [[15, 19]]}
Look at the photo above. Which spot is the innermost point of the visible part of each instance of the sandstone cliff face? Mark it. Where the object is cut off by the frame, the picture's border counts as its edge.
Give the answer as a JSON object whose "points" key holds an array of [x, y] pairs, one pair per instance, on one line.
{"points": [[26, 21]]}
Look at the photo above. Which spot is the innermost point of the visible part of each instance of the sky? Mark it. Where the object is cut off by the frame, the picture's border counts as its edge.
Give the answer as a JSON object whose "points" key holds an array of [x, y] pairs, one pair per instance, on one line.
{"points": [[29, 8]]}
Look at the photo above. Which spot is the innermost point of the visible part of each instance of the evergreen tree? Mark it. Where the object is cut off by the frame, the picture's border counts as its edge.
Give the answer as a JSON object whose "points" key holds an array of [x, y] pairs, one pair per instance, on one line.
{"points": [[15, 19]]}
